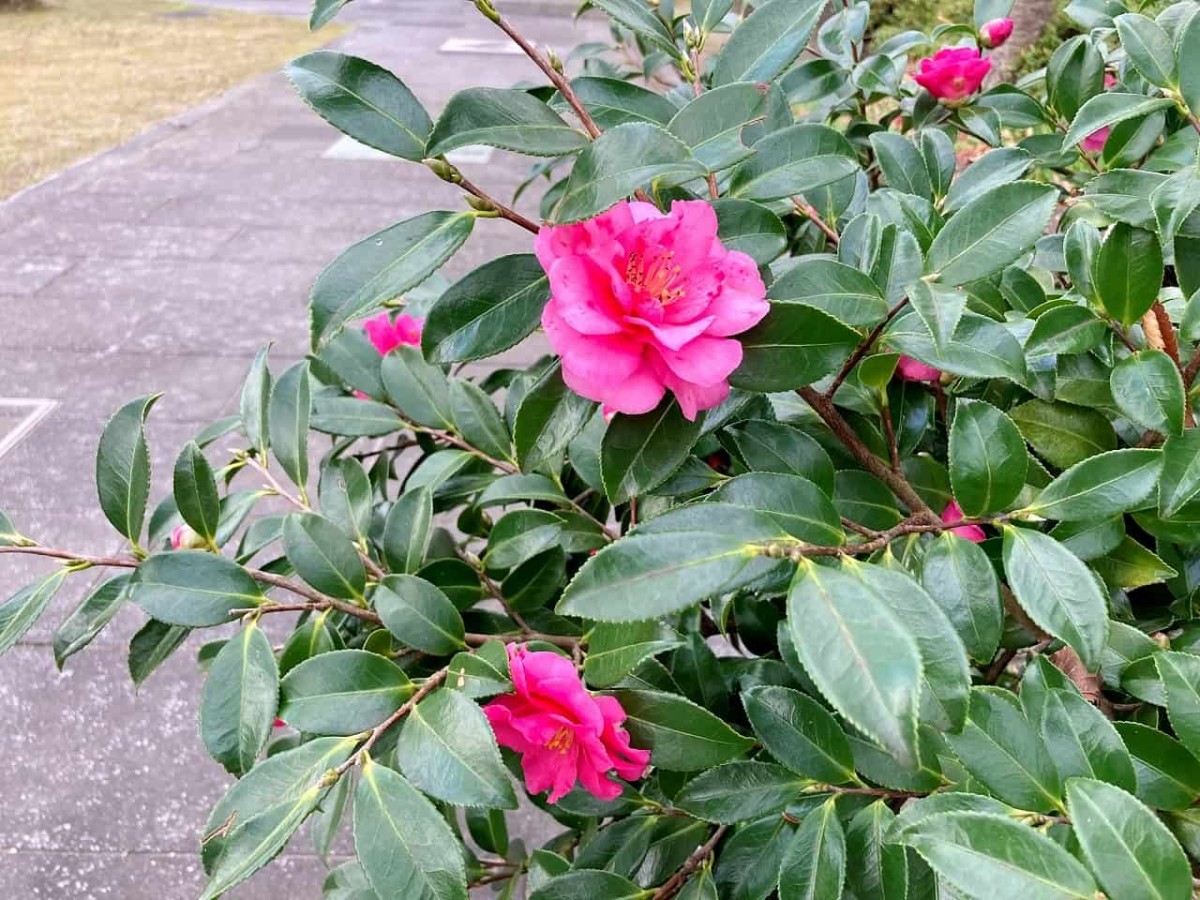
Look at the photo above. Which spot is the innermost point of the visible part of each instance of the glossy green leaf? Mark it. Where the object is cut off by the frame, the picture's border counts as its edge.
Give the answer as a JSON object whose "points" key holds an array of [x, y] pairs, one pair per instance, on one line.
{"points": [[1128, 272], [419, 390], [996, 167], [901, 164], [1082, 742], [123, 468], [508, 119], [766, 44], [193, 588], [1148, 389], [487, 311], [680, 735], [1058, 591], [750, 228], [1180, 673], [880, 868], [859, 654], [639, 18], [151, 647], [477, 419], [419, 614], [1148, 47], [988, 459], [1107, 109], [638, 453], [613, 102], [254, 402], [615, 650], [775, 447], [20, 611], [384, 266], [550, 415], [1066, 329], [834, 288], [521, 535], [342, 692], [1168, 775], [991, 231], [195, 491], [323, 556], [1187, 45], [740, 790], [800, 733], [795, 345], [289, 415], [447, 749], [797, 504], [591, 883], [405, 846], [960, 578], [353, 417], [363, 100], [407, 529], [240, 697], [711, 124], [815, 865], [1062, 434], [90, 617], [323, 12], [795, 160], [1101, 487], [1180, 480]]}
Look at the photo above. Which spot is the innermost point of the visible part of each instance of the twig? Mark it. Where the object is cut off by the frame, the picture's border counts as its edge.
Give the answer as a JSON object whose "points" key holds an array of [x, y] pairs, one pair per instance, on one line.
{"points": [[676, 882], [428, 687], [889, 433], [999, 665], [864, 348], [807, 209], [505, 212], [1193, 367], [1160, 334], [697, 90]]}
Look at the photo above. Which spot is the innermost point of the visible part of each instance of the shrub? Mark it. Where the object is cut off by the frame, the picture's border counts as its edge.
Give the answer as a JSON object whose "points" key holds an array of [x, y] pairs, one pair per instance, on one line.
{"points": [[846, 544]]}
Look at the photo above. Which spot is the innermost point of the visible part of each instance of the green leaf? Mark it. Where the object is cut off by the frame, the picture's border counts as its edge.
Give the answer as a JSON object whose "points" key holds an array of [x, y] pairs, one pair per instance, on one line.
{"points": [[613, 102], [815, 865], [521, 489], [639, 453], [1075, 73], [994, 168], [254, 402], [1128, 272], [800, 733], [979, 348], [711, 124], [1180, 480], [419, 390], [510, 120], [1001, 749], [384, 266], [1148, 47], [670, 563], [123, 468], [323, 12], [1066, 329], [407, 529], [550, 415], [881, 869], [864, 661], [1130, 850], [1081, 741], [345, 497], [832, 287], [1180, 674], [637, 17], [89, 618], [193, 588], [477, 419], [1100, 487], [619, 162], [1148, 389], [323, 556], [151, 647], [240, 697], [795, 160], [363, 100], [1058, 591], [988, 459], [482, 673], [1168, 776], [901, 164], [708, 14], [419, 614], [794, 346], [981, 853], [766, 44], [1107, 109], [447, 749], [798, 505], [19, 612], [940, 308], [991, 232], [750, 228], [775, 447], [521, 535], [1062, 434], [488, 311], [960, 578], [405, 846], [681, 736], [289, 414], [615, 650], [353, 417], [1187, 45], [739, 790], [311, 639], [195, 491], [342, 692], [593, 884]]}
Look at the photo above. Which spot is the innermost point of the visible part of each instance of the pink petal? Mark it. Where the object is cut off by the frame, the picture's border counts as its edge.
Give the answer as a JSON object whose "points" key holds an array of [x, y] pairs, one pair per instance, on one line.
{"points": [[596, 361], [673, 337], [696, 397], [637, 394], [583, 295], [738, 296], [706, 360]]}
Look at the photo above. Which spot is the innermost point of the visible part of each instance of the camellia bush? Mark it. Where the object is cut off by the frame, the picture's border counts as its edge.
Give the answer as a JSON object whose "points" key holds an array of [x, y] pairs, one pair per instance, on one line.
{"points": [[847, 544]]}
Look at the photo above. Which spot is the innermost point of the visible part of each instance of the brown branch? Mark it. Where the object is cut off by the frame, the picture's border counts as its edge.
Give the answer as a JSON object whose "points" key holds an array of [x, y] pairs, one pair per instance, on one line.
{"points": [[1193, 367], [428, 687], [889, 433], [896, 482], [999, 665], [505, 212], [807, 209], [1160, 334], [697, 90], [864, 348], [122, 562], [676, 882]]}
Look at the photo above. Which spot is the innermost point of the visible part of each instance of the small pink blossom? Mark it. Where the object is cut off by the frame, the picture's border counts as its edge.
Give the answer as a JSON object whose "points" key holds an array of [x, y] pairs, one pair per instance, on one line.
{"points": [[563, 733], [909, 369], [996, 32], [184, 538], [644, 302], [1110, 80], [954, 74], [953, 513], [387, 335], [1095, 141]]}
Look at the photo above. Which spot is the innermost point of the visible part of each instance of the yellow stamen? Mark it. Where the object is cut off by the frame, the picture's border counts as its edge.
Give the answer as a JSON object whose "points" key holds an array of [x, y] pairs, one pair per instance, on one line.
{"points": [[562, 741]]}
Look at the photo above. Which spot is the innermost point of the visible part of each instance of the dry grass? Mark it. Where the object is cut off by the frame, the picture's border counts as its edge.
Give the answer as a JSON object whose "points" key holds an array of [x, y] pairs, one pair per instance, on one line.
{"points": [[77, 76]]}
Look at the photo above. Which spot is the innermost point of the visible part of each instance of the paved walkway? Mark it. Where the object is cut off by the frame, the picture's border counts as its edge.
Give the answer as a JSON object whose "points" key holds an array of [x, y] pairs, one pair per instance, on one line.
{"points": [[114, 278]]}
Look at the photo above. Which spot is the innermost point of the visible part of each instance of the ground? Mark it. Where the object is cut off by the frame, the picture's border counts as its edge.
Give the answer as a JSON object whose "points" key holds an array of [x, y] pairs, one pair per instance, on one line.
{"points": [[163, 265]]}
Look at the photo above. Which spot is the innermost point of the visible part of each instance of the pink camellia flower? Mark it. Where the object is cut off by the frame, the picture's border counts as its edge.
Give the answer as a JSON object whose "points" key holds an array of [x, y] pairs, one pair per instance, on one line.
{"points": [[1095, 141], [562, 732], [995, 32], [909, 369], [387, 335], [184, 538], [954, 74], [953, 513], [644, 302]]}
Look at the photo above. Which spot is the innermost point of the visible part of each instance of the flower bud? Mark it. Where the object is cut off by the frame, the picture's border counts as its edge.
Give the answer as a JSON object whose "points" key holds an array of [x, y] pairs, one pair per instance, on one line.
{"points": [[184, 538], [996, 32], [443, 170], [555, 62]]}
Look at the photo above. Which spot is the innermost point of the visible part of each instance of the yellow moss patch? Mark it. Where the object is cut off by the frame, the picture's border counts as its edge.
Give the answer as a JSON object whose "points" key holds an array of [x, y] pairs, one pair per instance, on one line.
{"points": [[78, 76]]}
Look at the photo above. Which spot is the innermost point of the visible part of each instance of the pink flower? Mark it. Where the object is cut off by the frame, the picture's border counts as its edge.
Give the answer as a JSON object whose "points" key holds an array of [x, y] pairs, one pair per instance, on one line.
{"points": [[954, 74], [562, 732], [953, 513], [1095, 141], [183, 538], [995, 32], [387, 335], [644, 302], [908, 369], [1110, 80]]}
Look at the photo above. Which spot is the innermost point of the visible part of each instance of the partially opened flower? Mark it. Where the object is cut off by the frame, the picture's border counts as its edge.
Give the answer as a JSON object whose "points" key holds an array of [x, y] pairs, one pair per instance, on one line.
{"points": [[644, 302], [995, 32], [909, 369], [184, 538], [1095, 141], [563, 733], [954, 74], [386, 335], [953, 513]]}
